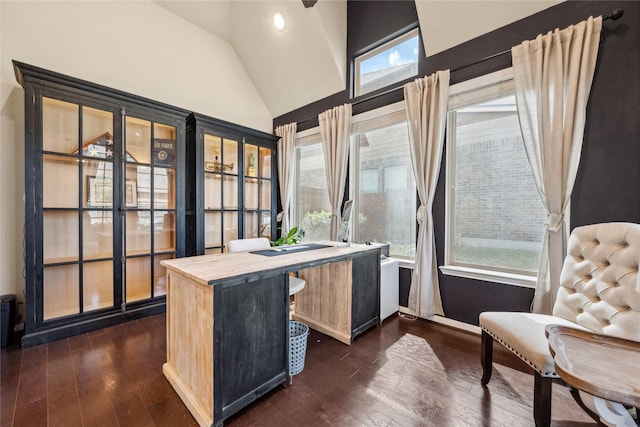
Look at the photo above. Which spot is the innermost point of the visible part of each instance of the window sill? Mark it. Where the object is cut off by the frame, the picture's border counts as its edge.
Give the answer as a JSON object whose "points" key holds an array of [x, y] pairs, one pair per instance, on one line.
{"points": [[489, 276], [405, 263]]}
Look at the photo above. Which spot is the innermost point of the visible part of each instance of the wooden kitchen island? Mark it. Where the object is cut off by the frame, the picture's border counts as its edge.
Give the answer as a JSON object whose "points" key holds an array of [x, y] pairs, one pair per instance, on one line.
{"points": [[228, 314]]}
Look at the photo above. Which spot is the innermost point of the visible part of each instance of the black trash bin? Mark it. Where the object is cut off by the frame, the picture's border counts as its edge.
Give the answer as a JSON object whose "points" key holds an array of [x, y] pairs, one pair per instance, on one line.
{"points": [[8, 319]]}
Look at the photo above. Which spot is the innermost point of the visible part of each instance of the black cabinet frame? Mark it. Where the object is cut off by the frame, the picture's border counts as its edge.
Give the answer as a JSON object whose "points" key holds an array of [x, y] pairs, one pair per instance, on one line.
{"points": [[39, 83], [197, 126]]}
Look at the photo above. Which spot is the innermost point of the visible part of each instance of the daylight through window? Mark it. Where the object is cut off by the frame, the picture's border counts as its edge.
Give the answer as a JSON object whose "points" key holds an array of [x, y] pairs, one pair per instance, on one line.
{"points": [[382, 181], [392, 62], [495, 217], [312, 208]]}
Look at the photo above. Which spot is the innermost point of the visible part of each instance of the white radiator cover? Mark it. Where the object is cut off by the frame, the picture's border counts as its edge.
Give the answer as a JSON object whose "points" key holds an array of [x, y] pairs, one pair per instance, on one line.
{"points": [[389, 291]]}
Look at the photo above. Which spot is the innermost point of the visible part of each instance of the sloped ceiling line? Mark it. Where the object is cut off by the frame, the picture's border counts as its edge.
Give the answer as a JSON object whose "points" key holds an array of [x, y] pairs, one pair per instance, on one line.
{"points": [[307, 60]]}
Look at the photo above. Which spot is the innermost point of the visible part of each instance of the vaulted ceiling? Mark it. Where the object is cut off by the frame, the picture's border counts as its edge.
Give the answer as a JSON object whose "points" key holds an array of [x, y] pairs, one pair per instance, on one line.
{"points": [[307, 60]]}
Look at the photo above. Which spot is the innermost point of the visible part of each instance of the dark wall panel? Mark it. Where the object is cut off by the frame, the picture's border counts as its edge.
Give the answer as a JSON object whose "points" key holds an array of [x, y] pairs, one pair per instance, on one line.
{"points": [[607, 187], [608, 182], [404, 286], [396, 15]]}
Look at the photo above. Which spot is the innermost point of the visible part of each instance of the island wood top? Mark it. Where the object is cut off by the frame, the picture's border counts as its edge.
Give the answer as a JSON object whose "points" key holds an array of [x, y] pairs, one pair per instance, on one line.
{"points": [[600, 365], [216, 268]]}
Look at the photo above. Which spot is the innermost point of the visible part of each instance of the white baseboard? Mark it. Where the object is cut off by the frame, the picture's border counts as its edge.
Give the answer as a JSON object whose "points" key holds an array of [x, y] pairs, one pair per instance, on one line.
{"points": [[445, 321]]}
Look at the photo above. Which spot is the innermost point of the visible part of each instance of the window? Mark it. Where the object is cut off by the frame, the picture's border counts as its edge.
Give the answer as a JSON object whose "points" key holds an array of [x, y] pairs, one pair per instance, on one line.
{"points": [[382, 182], [495, 219], [312, 209], [390, 63]]}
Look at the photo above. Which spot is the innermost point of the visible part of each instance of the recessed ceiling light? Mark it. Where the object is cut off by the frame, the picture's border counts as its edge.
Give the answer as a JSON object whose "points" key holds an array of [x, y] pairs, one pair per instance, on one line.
{"points": [[278, 21]]}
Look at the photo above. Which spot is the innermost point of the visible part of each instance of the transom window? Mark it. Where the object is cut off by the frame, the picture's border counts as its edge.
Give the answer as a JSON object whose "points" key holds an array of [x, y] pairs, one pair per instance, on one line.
{"points": [[390, 63]]}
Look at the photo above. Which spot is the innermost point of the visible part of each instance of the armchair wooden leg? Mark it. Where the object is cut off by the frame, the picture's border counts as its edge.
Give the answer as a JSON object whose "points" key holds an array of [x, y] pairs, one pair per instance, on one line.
{"points": [[486, 357], [542, 400]]}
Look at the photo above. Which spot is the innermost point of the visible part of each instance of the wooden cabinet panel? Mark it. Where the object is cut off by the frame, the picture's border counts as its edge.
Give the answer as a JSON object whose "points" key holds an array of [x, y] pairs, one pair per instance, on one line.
{"points": [[189, 369], [366, 292], [341, 299], [325, 301], [251, 332]]}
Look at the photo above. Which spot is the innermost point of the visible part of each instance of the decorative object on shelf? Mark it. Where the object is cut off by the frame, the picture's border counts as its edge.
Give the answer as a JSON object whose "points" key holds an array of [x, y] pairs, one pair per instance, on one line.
{"points": [[99, 192], [294, 236], [164, 151], [251, 165], [217, 165], [100, 146], [131, 194]]}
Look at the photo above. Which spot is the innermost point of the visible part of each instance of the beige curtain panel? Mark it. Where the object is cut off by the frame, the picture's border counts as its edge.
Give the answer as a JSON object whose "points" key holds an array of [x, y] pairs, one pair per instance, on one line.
{"points": [[426, 100], [286, 147], [335, 129], [553, 76]]}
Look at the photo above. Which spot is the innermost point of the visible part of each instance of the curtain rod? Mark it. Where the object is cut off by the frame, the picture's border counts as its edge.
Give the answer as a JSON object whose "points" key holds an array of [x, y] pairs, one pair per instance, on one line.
{"points": [[614, 16]]}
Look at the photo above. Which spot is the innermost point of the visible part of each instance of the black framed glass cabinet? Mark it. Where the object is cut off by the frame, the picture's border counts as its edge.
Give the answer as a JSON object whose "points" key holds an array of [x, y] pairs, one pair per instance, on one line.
{"points": [[103, 177], [231, 184]]}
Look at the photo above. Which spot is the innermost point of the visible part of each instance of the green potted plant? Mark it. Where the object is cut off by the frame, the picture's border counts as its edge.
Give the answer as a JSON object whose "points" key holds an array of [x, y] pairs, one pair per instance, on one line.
{"points": [[294, 236]]}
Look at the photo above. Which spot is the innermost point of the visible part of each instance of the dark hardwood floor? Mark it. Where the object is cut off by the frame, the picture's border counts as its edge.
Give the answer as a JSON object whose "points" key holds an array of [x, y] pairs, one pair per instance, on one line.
{"points": [[403, 373]]}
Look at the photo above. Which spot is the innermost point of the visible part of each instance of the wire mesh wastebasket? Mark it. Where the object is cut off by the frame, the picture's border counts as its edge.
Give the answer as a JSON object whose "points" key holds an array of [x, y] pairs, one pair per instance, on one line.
{"points": [[298, 333]]}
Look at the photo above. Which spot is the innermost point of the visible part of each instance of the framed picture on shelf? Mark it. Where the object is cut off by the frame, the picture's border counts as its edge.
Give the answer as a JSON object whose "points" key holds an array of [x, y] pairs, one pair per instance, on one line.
{"points": [[99, 192], [164, 151], [130, 194]]}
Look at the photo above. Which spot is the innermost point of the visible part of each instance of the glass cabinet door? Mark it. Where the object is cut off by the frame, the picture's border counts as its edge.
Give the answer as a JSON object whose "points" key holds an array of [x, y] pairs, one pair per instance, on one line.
{"points": [[220, 192], [149, 199], [77, 208], [104, 203], [257, 191], [231, 184]]}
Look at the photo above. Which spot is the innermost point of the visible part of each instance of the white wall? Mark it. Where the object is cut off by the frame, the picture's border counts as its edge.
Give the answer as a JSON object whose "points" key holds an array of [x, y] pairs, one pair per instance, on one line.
{"points": [[134, 46], [298, 65], [470, 19]]}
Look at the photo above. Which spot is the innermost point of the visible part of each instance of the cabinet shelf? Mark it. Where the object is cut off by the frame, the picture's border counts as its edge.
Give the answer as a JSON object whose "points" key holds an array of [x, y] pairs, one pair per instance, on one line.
{"points": [[52, 262], [220, 174], [94, 307], [54, 315]]}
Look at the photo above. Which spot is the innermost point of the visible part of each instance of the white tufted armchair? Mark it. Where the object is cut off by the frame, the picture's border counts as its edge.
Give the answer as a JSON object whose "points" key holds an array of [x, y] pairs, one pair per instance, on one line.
{"points": [[599, 292]]}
